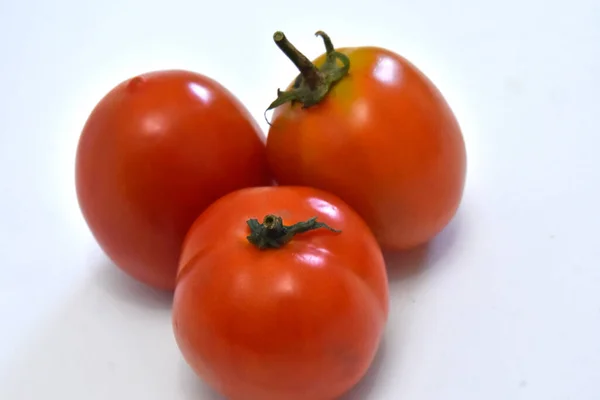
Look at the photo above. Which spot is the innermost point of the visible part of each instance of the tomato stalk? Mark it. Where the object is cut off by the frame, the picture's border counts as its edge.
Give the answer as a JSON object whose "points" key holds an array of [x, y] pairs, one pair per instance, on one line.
{"points": [[313, 84], [272, 233]]}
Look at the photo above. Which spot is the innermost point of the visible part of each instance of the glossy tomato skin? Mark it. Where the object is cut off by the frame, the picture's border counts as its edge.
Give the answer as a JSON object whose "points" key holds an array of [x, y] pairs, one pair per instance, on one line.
{"points": [[154, 153], [384, 140], [300, 322]]}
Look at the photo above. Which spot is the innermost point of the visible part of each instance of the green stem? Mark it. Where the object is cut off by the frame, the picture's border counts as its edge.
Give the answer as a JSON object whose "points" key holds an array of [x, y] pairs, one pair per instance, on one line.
{"points": [[272, 233], [327, 41], [307, 69], [313, 84]]}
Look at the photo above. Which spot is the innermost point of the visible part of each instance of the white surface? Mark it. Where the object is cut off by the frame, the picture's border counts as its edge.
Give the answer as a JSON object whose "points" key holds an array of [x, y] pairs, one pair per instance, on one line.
{"points": [[506, 303]]}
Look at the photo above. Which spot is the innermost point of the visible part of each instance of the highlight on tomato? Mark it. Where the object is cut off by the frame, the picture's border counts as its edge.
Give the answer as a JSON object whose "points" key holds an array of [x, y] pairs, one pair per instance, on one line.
{"points": [[282, 293], [154, 153], [367, 125]]}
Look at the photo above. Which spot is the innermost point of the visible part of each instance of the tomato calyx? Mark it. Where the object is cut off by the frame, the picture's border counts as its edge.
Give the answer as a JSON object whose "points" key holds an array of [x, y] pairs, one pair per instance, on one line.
{"points": [[272, 233], [313, 84]]}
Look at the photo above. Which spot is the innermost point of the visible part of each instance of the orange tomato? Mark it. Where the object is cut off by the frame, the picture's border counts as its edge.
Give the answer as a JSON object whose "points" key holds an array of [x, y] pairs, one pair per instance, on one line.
{"points": [[154, 153], [368, 126], [271, 312]]}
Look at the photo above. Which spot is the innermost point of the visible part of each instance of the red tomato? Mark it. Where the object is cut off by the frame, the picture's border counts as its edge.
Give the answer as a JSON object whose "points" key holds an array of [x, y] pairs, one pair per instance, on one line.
{"points": [[154, 153], [299, 319], [379, 135]]}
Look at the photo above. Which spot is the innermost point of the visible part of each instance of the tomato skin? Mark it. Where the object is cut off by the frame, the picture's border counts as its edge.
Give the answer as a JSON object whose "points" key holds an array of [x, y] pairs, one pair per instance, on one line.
{"points": [[300, 322], [384, 140], [154, 153]]}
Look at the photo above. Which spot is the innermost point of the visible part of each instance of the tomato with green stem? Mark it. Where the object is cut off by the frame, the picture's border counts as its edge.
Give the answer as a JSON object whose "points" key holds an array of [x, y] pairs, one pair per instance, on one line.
{"points": [[281, 294], [365, 124]]}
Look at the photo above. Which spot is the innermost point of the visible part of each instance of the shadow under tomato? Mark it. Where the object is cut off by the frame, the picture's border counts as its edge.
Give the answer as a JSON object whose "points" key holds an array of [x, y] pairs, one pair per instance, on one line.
{"points": [[363, 389], [406, 264], [120, 285], [193, 387]]}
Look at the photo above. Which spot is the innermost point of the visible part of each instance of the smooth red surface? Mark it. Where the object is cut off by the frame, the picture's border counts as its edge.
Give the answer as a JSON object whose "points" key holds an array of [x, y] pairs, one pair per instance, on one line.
{"points": [[300, 322], [154, 153], [384, 140]]}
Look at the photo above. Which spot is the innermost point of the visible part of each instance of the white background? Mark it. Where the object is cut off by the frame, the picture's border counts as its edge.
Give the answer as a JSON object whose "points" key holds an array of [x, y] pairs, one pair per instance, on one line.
{"points": [[503, 305]]}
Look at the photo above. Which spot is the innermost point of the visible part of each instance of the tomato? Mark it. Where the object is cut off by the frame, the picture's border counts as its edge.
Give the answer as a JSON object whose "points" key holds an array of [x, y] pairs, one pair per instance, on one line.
{"points": [[365, 124], [270, 311], [154, 153]]}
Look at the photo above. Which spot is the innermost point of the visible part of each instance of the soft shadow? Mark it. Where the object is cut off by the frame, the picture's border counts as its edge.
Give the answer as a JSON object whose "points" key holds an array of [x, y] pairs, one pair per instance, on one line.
{"points": [[364, 388], [406, 264], [193, 388], [123, 287], [441, 245]]}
